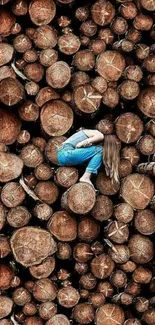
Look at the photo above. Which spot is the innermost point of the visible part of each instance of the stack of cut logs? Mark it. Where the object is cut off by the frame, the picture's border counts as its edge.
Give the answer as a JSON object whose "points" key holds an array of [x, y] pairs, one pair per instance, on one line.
{"points": [[69, 255]]}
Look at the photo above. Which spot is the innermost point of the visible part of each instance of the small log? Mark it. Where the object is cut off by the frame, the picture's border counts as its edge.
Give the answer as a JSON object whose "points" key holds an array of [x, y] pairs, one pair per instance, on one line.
{"points": [[7, 21], [58, 75], [88, 281], [110, 65], [84, 60], [110, 314], [29, 111], [88, 28], [59, 224], [58, 319], [34, 71], [20, 8], [45, 37], [79, 78], [6, 275], [56, 117], [146, 168], [146, 145], [105, 126], [44, 290], [10, 167], [117, 231], [128, 127], [48, 57], [128, 10], [142, 51], [103, 208], [82, 253], [133, 72], [130, 153], [45, 95], [51, 147], [129, 89], [100, 84], [11, 91], [88, 229], [137, 190], [134, 35], [5, 248], [22, 43], [18, 217], [125, 168], [12, 194], [6, 72], [123, 212], [119, 253], [47, 191], [110, 97], [82, 13], [119, 25], [6, 306], [80, 198], [148, 5], [47, 310], [102, 12], [83, 313], [43, 211], [3, 214], [141, 249], [143, 22], [97, 46], [102, 266], [21, 296], [66, 176], [105, 185], [28, 245], [43, 172], [68, 297], [42, 12], [69, 44], [31, 156], [145, 102], [145, 222], [6, 53], [44, 269], [87, 99], [106, 35]]}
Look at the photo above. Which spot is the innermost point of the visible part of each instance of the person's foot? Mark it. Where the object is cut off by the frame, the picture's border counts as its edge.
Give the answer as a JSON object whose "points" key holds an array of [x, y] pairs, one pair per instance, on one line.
{"points": [[86, 180]]}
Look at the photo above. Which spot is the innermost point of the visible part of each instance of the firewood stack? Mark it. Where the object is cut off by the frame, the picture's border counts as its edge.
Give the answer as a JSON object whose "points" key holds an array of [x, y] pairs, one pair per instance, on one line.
{"points": [[69, 255]]}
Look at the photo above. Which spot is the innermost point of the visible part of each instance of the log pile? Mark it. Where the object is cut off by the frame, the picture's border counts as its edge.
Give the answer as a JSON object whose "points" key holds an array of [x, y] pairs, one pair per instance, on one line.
{"points": [[69, 254]]}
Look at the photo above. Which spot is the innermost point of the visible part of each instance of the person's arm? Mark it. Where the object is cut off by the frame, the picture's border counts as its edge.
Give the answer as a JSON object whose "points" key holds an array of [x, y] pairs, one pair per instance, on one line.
{"points": [[95, 137]]}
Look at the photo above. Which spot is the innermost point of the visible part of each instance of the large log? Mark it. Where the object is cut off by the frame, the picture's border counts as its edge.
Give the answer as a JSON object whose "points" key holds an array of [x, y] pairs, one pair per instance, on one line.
{"points": [[80, 198]]}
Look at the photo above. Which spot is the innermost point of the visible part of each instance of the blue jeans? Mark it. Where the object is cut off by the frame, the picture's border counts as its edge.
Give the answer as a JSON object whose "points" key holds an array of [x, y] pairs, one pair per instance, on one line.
{"points": [[68, 155]]}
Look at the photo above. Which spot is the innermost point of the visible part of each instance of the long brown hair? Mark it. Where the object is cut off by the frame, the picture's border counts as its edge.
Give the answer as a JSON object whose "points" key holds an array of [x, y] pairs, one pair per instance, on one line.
{"points": [[111, 157]]}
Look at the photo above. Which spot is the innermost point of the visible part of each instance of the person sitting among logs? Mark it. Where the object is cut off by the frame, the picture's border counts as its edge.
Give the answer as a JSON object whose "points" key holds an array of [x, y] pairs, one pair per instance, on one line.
{"points": [[79, 148]]}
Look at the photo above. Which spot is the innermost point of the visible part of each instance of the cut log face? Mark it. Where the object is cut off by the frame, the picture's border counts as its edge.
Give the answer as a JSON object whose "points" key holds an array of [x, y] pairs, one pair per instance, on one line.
{"points": [[110, 65], [44, 269], [56, 117], [59, 224], [80, 198], [68, 297], [141, 249], [6, 305], [103, 208], [102, 266], [105, 185], [148, 4], [11, 91], [87, 99], [129, 89], [102, 12], [129, 127], [66, 176], [137, 190], [58, 319], [12, 194], [6, 53], [58, 74], [31, 245], [42, 11], [45, 37], [146, 101], [51, 147], [10, 167], [69, 44], [110, 314]]}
